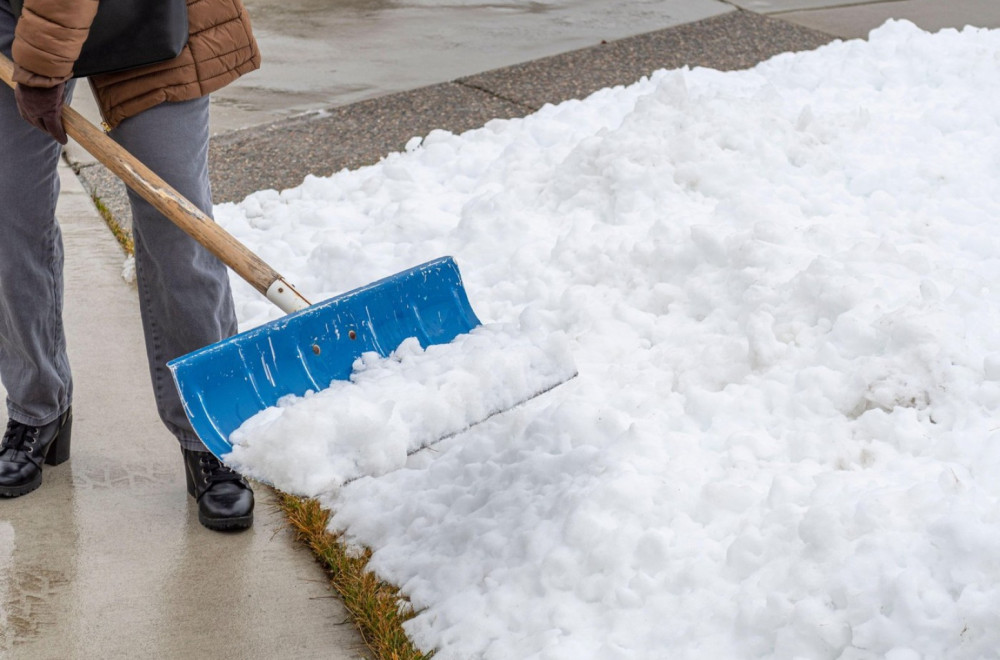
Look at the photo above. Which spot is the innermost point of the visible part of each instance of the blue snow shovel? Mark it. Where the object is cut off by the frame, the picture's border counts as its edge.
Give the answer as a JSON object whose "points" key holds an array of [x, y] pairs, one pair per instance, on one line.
{"points": [[225, 384]]}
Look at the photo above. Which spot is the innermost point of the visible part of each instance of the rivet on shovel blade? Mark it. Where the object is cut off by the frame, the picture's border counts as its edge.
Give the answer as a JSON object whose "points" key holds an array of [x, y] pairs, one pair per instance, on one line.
{"points": [[316, 349], [352, 334]]}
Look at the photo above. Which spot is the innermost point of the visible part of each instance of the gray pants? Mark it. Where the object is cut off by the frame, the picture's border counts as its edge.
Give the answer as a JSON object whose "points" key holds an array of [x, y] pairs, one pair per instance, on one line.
{"points": [[184, 294]]}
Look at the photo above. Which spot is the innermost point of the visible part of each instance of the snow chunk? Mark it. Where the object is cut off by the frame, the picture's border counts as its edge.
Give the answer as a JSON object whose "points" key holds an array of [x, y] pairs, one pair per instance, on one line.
{"points": [[393, 407]]}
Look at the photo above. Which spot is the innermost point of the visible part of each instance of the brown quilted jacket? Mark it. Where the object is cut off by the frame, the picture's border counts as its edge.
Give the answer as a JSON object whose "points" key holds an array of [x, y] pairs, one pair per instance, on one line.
{"points": [[50, 34]]}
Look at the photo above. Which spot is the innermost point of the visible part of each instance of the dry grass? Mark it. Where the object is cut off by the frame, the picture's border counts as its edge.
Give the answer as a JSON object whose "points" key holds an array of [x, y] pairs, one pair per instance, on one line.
{"points": [[122, 236], [374, 605]]}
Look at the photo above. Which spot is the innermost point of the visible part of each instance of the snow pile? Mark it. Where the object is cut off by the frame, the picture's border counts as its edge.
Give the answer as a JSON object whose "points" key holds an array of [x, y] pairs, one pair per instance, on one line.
{"points": [[394, 407], [779, 286]]}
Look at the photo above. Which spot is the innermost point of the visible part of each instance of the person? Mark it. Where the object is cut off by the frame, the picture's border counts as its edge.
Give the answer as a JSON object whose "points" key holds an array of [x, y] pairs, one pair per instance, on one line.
{"points": [[159, 113]]}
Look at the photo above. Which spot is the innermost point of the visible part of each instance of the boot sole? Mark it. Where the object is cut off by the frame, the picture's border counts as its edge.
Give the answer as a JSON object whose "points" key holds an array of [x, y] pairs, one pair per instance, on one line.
{"points": [[23, 489], [224, 524]]}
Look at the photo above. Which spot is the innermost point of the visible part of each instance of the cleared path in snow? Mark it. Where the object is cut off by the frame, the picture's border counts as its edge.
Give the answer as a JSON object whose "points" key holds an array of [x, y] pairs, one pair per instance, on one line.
{"points": [[107, 559]]}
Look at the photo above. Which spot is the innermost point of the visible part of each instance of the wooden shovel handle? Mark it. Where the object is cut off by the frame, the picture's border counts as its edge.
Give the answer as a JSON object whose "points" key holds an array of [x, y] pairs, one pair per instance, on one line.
{"points": [[175, 206]]}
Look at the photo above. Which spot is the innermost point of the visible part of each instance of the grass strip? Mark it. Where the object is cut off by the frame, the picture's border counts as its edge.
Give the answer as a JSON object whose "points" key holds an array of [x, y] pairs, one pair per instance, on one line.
{"points": [[377, 608], [123, 237]]}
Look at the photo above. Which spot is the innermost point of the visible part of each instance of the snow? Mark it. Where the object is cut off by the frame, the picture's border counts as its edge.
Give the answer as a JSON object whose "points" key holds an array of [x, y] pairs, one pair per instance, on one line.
{"points": [[779, 288], [392, 408]]}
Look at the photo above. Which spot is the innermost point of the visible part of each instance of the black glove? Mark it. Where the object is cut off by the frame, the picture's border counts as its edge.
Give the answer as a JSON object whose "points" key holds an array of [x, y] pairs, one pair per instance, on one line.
{"points": [[42, 108]]}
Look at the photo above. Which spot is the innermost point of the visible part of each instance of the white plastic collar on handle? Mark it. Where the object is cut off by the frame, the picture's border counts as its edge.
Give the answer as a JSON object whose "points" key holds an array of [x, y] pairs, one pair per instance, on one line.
{"points": [[284, 295]]}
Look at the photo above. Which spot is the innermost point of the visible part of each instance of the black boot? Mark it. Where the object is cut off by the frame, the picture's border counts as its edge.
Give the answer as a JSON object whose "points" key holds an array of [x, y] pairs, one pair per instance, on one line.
{"points": [[25, 448], [225, 499]]}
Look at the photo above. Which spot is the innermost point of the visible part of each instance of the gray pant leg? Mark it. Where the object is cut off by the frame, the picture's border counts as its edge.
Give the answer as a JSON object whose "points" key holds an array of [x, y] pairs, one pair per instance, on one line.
{"points": [[184, 293], [33, 363]]}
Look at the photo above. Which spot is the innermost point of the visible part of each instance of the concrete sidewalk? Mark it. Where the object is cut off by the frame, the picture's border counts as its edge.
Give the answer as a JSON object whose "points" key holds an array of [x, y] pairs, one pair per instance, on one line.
{"points": [[107, 559], [854, 19]]}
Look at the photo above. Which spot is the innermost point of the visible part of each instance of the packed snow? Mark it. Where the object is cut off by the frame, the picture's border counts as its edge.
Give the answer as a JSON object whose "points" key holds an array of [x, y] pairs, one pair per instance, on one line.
{"points": [[780, 289]]}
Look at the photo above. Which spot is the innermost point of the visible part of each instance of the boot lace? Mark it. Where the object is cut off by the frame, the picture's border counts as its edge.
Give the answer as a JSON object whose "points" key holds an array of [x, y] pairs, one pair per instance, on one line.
{"points": [[16, 437], [216, 472]]}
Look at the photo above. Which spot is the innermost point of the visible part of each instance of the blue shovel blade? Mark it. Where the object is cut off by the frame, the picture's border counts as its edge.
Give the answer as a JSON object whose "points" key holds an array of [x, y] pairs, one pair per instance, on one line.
{"points": [[225, 384]]}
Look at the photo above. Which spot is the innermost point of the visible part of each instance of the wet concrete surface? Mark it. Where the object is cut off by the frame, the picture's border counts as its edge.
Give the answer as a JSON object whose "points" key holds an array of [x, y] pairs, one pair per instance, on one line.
{"points": [[320, 54], [778, 6], [851, 22], [107, 559]]}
